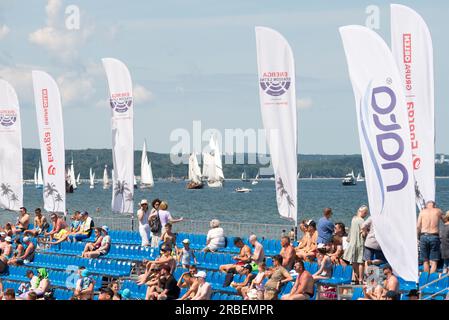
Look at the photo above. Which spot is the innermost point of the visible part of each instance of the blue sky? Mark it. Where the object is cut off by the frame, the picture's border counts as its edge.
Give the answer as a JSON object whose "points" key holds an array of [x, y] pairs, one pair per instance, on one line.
{"points": [[196, 60]]}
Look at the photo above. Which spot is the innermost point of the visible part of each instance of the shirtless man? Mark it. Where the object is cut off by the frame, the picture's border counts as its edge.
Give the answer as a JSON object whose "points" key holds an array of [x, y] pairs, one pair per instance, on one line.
{"points": [[287, 253], [23, 221], [243, 258], [303, 288], [40, 224], [391, 283], [188, 280], [428, 234], [165, 259]]}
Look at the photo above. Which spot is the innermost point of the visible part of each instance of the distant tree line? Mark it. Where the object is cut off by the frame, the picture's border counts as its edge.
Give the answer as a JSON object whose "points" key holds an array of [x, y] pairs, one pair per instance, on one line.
{"points": [[324, 166]]}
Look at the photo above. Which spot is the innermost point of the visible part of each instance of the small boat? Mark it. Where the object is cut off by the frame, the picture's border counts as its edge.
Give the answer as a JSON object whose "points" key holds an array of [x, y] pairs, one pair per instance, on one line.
{"points": [[105, 177], [39, 181], [91, 179], [349, 180], [244, 178], [243, 190], [360, 178], [146, 174], [72, 179], [194, 173], [135, 182], [256, 180]]}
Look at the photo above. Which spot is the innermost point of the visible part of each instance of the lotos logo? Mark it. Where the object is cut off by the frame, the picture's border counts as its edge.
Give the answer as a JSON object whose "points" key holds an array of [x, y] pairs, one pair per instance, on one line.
{"points": [[51, 170], [379, 124], [275, 83], [7, 117], [121, 102]]}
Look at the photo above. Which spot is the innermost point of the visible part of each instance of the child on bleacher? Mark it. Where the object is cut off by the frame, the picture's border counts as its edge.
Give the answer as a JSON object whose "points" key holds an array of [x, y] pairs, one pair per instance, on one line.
{"points": [[186, 255]]}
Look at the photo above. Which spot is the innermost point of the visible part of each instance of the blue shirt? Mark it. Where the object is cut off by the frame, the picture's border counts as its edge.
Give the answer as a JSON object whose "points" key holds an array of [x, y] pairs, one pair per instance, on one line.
{"points": [[325, 230]]}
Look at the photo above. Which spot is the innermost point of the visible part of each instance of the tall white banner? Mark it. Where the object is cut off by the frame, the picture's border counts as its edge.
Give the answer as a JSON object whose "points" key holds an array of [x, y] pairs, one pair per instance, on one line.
{"points": [[412, 48], [385, 144], [278, 105], [51, 137], [121, 103], [11, 180]]}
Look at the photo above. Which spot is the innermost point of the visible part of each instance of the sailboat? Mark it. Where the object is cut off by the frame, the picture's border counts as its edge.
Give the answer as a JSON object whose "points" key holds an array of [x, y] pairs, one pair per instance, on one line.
{"points": [[146, 174], [244, 178], [105, 178], [72, 179], [91, 179], [360, 178], [35, 177], [215, 177], [349, 179], [194, 173], [256, 179], [39, 180], [78, 180]]}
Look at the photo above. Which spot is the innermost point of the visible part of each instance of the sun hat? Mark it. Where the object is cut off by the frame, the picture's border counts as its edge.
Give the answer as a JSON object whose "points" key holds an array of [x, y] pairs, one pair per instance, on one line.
{"points": [[200, 274], [105, 228], [8, 239], [186, 241], [143, 201]]}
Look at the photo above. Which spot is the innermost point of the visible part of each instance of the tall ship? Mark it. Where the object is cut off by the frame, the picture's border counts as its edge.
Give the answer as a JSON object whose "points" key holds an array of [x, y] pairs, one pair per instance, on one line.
{"points": [[194, 173], [244, 178], [212, 161], [105, 177], [91, 179]]}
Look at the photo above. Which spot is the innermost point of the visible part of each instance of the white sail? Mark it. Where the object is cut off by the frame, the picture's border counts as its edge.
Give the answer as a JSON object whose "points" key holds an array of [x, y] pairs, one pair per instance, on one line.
{"points": [[40, 179], [72, 175], [105, 178], [194, 169], [35, 177], [91, 179], [146, 174], [78, 178], [215, 171], [206, 165], [135, 181]]}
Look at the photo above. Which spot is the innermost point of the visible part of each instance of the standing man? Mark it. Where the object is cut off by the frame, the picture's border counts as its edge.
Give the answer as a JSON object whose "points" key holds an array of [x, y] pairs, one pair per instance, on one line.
{"points": [[428, 235], [325, 228], [287, 253], [23, 220]]}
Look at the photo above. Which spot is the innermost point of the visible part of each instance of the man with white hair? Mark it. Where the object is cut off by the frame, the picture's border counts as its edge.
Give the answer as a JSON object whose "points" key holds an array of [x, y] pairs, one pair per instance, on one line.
{"points": [[204, 289], [258, 255], [215, 237]]}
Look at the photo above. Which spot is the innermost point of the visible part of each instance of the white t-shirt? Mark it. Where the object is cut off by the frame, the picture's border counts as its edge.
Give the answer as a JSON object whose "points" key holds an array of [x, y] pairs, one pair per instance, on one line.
{"points": [[216, 237], [204, 291], [145, 217]]}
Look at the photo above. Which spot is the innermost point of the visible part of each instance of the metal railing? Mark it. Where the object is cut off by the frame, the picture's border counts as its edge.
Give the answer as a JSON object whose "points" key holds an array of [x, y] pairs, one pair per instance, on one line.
{"points": [[433, 294]]}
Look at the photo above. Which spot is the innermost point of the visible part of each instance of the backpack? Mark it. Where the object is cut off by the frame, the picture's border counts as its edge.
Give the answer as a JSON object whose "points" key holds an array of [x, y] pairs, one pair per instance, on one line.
{"points": [[155, 223]]}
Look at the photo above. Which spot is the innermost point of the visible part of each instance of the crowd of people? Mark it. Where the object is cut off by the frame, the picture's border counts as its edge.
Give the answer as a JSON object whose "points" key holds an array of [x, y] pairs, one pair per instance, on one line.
{"points": [[324, 242]]}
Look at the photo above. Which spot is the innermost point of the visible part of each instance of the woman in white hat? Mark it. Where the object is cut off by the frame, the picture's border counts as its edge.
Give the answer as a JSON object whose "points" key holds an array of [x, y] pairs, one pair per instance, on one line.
{"points": [[144, 228]]}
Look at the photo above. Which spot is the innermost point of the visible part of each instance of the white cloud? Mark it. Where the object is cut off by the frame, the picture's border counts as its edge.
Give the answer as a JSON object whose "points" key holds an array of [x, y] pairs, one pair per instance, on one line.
{"points": [[55, 38], [4, 30], [141, 95], [304, 103], [20, 78]]}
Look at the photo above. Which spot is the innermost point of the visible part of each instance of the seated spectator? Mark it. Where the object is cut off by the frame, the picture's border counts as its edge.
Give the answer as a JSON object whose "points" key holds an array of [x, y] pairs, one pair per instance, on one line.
{"points": [[413, 294], [9, 295], [256, 289], [28, 254], [85, 230], [7, 250], [101, 246], [324, 264], [38, 284], [215, 237], [303, 228], [40, 224], [188, 280], [59, 229], [84, 289], [75, 225], [204, 288], [165, 259], [325, 228], [308, 251], [186, 255], [168, 288], [114, 286], [392, 295], [303, 289], [241, 259], [379, 291], [249, 277], [258, 255], [339, 244], [287, 253], [277, 277], [164, 217], [9, 230], [168, 237], [105, 294], [23, 220]]}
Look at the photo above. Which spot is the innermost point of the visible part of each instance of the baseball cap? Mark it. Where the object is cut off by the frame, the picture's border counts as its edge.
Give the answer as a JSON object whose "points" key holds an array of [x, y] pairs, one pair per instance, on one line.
{"points": [[248, 266], [84, 213], [8, 239], [200, 274], [26, 239], [105, 228], [186, 241]]}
